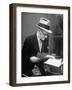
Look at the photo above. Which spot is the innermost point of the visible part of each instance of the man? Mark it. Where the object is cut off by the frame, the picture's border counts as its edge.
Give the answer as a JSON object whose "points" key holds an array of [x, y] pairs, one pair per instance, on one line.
{"points": [[35, 48]]}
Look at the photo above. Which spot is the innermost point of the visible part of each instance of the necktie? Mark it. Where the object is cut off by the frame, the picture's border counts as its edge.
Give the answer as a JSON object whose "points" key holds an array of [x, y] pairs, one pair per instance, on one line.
{"points": [[42, 48]]}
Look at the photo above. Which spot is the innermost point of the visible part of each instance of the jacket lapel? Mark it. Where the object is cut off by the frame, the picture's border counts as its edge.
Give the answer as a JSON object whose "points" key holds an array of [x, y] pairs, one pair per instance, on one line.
{"points": [[36, 45]]}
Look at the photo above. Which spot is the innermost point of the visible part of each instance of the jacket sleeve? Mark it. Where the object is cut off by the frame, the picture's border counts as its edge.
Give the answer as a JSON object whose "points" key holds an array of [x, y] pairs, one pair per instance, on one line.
{"points": [[27, 65]]}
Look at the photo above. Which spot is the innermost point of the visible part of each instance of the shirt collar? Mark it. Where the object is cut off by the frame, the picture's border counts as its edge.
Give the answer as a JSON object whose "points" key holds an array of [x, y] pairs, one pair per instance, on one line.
{"points": [[38, 35]]}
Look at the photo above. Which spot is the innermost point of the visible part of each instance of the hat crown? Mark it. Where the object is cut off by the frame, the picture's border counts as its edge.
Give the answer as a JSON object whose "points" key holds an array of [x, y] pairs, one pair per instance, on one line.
{"points": [[44, 24], [45, 21]]}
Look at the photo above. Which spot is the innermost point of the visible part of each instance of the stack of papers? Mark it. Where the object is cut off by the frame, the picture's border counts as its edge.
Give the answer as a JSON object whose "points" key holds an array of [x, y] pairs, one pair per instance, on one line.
{"points": [[54, 62]]}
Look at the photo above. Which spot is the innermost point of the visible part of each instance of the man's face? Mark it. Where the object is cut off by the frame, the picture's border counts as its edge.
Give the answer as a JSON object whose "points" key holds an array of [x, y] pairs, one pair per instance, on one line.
{"points": [[43, 34]]}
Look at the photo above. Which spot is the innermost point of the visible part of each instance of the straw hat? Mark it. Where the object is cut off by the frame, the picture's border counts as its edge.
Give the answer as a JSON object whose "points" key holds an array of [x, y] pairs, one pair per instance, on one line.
{"points": [[44, 24]]}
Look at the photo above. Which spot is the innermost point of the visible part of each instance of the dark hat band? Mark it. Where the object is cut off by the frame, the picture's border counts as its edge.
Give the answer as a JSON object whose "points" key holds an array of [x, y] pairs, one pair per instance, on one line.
{"points": [[44, 26]]}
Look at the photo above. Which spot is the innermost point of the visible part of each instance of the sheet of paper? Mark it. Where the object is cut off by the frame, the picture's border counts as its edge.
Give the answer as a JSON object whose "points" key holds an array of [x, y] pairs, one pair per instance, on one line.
{"points": [[54, 62]]}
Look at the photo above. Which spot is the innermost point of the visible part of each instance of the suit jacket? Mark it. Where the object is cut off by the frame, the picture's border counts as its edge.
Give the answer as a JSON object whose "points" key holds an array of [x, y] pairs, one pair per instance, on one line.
{"points": [[30, 48]]}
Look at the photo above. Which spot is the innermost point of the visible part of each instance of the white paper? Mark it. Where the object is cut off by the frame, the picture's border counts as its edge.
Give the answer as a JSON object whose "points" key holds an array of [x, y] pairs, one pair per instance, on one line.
{"points": [[54, 62]]}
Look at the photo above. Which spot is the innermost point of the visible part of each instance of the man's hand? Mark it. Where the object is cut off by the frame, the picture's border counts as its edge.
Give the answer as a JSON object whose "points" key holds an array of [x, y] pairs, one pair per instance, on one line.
{"points": [[50, 56], [41, 55], [34, 59], [44, 56]]}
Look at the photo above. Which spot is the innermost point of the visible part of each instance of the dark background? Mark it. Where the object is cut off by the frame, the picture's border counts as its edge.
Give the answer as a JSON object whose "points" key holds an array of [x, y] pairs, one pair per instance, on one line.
{"points": [[29, 21]]}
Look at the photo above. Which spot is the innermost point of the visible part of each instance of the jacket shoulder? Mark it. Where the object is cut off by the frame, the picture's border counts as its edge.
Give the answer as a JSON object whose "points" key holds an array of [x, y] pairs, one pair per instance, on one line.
{"points": [[30, 38]]}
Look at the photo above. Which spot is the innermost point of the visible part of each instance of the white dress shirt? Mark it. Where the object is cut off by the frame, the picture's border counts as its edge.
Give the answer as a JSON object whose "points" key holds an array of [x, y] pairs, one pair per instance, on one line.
{"points": [[39, 41]]}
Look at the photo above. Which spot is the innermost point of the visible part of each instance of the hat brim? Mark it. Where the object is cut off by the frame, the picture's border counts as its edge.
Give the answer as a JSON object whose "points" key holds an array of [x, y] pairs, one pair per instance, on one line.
{"points": [[46, 30]]}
